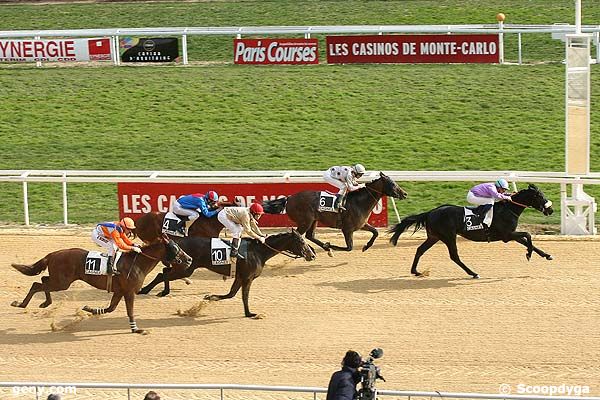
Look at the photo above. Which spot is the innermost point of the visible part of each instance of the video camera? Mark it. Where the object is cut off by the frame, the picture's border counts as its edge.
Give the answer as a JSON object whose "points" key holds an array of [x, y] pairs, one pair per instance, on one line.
{"points": [[369, 373]]}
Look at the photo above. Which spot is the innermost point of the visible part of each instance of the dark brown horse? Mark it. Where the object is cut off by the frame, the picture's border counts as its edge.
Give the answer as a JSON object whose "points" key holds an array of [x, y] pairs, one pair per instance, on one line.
{"points": [[148, 227], [66, 266], [302, 208], [247, 269]]}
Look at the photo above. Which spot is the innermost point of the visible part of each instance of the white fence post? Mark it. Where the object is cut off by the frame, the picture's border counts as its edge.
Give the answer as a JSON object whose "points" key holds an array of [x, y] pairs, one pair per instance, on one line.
{"points": [[184, 47], [25, 199], [65, 206]]}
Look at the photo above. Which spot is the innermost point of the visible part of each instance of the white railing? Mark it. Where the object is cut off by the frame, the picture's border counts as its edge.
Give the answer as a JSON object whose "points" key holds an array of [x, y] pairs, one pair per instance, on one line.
{"points": [[286, 176], [37, 386], [237, 31]]}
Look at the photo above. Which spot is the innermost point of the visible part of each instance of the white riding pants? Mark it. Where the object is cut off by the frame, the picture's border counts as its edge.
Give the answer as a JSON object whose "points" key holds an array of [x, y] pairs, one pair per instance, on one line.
{"points": [[108, 244], [191, 214], [235, 229], [478, 201], [335, 182]]}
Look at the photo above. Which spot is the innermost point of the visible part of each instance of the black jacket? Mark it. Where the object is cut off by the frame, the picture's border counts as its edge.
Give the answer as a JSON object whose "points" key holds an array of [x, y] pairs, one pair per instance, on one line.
{"points": [[342, 385]]}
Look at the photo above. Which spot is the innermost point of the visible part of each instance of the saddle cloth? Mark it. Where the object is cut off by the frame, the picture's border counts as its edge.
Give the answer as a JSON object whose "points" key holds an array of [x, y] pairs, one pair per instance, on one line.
{"points": [[473, 222], [327, 202], [171, 224], [96, 263]]}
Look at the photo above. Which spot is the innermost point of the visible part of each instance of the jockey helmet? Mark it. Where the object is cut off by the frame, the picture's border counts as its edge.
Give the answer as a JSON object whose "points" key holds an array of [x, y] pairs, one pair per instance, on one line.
{"points": [[127, 223], [501, 184], [256, 208], [212, 196], [358, 169]]}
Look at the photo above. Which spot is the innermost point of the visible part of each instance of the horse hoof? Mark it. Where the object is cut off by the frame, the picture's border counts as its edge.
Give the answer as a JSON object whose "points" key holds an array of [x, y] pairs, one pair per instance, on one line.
{"points": [[162, 294], [365, 248], [251, 315], [187, 281], [44, 304], [476, 276], [330, 253], [549, 257], [15, 304], [528, 257], [211, 297], [141, 331], [87, 309]]}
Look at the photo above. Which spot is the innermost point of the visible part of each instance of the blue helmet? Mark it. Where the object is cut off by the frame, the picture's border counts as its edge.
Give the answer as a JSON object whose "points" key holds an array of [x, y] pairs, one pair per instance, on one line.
{"points": [[501, 184]]}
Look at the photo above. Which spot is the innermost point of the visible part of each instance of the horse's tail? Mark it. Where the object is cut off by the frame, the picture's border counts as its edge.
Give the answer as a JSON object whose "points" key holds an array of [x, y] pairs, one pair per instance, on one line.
{"points": [[418, 220], [32, 270], [276, 206]]}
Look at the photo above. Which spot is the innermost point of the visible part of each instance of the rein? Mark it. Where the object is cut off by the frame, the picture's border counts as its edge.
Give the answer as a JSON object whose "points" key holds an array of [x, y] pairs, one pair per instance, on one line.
{"points": [[284, 252], [369, 189], [519, 204]]}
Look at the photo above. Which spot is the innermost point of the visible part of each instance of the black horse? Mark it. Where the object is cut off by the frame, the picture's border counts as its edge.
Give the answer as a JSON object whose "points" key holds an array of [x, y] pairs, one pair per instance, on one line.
{"points": [[446, 221], [303, 209], [247, 269]]}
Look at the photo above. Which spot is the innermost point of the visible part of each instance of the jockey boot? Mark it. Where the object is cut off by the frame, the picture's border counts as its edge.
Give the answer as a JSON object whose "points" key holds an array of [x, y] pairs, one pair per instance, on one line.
{"points": [[235, 245], [340, 199], [181, 227], [111, 269]]}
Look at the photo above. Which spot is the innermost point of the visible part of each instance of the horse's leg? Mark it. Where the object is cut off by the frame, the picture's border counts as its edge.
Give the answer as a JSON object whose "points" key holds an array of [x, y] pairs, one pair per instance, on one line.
{"points": [[524, 238], [235, 287], [157, 279], [453, 250], [129, 298], [47, 285], [371, 229], [114, 302], [426, 245], [35, 287], [46, 292], [349, 242], [172, 274], [310, 235], [245, 295]]}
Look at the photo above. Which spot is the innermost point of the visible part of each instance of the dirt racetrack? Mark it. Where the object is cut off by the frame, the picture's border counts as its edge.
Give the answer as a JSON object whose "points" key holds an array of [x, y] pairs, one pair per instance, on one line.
{"points": [[531, 323]]}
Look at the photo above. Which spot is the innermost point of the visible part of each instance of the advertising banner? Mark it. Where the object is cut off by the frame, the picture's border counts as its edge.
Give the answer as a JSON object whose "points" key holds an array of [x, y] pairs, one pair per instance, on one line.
{"points": [[413, 49], [149, 49], [136, 199], [275, 51], [55, 50]]}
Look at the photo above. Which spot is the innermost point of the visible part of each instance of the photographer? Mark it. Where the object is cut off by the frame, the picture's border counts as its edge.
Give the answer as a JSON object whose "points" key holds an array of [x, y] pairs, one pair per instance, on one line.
{"points": [[342, 385]]}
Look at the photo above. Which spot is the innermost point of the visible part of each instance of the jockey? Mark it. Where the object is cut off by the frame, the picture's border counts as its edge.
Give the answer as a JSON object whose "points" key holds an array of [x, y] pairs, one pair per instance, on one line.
{"points": [[113, 237], [192, 205], [345, 179], [240, 220], [487, 194]]}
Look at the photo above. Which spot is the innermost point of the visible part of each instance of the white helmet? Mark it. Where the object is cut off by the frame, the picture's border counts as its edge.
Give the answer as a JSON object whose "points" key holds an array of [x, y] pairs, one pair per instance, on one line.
{"points": [[359, 169], [501, 184]]}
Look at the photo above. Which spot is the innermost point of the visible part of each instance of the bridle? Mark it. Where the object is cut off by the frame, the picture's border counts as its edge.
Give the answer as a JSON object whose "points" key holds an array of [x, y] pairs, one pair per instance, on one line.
{"points": [[286, 253]]}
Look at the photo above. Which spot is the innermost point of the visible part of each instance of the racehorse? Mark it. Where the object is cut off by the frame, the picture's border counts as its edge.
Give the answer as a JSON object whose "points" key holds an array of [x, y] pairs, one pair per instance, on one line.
{"points": [[446, 221], [148, 227], [68, 265], [290, 244], [302, 208]]}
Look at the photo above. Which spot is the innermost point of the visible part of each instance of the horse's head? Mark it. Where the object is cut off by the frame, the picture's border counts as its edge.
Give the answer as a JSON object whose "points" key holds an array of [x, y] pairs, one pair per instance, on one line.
{"points": [[175, 255], [294, 243], [534, 198], [388, 187]]}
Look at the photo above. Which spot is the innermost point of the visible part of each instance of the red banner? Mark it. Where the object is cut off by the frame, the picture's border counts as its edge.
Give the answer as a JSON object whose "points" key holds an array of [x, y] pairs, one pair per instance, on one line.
{"points": [[136, 199], [413, 49], [275, 51]]}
